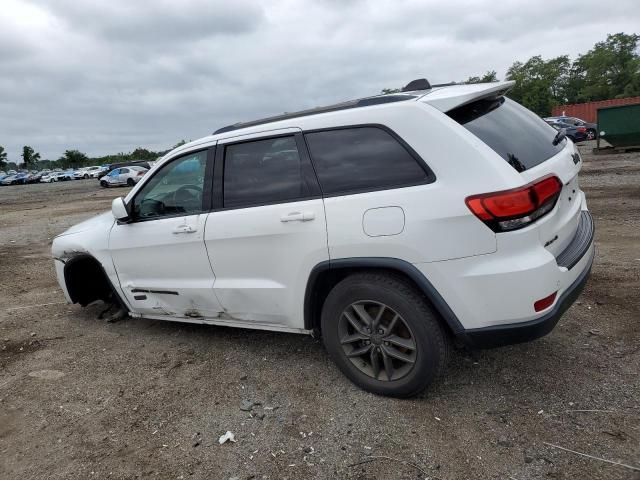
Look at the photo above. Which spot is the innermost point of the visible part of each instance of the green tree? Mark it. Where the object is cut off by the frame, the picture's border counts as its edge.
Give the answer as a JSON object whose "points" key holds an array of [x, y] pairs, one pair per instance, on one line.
{"points": [[540, 84], [3, 158], [72, 159], [29, 156], [489, 77], [143, 154], [610, 69]]}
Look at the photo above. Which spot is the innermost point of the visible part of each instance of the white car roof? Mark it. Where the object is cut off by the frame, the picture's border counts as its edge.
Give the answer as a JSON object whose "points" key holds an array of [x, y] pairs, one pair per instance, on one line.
{"points": [[444, 98]]}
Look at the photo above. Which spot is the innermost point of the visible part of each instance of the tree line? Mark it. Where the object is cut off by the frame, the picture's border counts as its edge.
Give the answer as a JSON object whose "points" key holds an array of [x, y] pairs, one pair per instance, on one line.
{"points": [[610, 69], [75, 159]]}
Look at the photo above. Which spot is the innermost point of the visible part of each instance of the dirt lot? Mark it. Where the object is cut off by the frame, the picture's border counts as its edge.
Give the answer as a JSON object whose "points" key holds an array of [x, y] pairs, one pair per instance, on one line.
{"points": [[81, 398]]}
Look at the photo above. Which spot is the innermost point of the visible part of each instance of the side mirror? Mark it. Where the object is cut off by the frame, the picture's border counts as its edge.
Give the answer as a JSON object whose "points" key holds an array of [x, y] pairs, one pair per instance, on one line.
{"points": [[119, 210]]}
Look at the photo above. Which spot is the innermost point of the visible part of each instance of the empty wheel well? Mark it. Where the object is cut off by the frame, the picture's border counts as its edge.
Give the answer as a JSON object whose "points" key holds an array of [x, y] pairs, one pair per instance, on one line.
{"points": [[87, 281], [327, 275]]}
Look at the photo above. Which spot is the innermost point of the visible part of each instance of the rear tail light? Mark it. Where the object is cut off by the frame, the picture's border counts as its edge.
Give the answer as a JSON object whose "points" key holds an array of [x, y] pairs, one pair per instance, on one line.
{"points": [[140, 174], [581, 129], [512, 209]]}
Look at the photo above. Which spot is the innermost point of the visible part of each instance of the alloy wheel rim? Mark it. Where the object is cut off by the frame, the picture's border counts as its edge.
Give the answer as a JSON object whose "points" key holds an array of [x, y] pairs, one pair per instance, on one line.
{"points": [[377, 340]]}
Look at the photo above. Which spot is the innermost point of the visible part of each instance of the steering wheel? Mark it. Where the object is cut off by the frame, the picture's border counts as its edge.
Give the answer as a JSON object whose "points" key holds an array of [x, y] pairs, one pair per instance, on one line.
{"points": [[189, 197], [151, 207]]}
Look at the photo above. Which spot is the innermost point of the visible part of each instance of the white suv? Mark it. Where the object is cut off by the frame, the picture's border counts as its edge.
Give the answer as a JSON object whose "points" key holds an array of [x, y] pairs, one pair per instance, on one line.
{"points": [[389, 225]]}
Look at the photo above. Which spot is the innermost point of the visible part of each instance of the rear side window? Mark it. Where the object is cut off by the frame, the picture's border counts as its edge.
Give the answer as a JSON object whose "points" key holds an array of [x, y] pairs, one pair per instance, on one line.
{"points": [[362, 159], [518, 135], [263, 172]]}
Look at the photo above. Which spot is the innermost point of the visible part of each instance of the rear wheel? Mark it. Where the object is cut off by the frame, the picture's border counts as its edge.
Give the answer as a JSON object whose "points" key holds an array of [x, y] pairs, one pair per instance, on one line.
{"points": [[130, 182], [591, 134], [383, 335]]}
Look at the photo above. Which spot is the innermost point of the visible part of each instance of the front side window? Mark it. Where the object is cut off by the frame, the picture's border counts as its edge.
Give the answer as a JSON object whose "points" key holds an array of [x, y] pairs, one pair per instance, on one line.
{"points": [[175, 189], [360, 159], [263, 172]]}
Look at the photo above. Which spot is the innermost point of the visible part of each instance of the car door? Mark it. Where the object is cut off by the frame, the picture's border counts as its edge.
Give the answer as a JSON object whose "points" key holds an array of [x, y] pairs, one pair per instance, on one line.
{"points": [[112, 177], [160, 256], [123, 175], [267, 230]]}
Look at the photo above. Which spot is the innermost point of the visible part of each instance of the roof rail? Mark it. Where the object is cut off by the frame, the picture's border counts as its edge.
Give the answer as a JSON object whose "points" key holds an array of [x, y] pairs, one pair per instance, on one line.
{"points": [[361, 102]]}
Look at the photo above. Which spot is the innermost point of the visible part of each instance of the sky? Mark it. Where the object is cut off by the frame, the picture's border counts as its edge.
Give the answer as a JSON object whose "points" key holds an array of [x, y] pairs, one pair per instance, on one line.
{"points": [[107, 76]]}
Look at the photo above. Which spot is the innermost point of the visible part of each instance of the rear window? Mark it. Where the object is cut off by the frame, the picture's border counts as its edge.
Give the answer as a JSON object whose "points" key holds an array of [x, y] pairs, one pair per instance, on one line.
{"points": [[518, 135]]}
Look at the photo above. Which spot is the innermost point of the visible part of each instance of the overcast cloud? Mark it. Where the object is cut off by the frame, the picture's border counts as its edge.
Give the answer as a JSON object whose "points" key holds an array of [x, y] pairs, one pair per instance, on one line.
{"points": [[105, 76]]}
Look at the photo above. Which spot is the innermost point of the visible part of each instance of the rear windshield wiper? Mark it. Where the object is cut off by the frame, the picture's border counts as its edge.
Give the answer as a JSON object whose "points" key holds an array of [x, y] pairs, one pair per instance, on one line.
{"points": [[559, 137]]}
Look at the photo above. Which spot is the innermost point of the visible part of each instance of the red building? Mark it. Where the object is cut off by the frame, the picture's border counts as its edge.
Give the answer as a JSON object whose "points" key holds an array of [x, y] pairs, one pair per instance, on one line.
{"points": [[589, 111]]}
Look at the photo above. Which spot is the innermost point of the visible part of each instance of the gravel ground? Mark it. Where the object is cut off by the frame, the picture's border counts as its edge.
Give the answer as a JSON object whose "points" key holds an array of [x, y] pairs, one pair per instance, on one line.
{"points": [[81, 398]]}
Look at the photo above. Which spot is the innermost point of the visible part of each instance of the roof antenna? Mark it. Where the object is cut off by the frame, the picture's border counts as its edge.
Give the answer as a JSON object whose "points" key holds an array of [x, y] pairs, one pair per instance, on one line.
{"points": [[418, 84]]}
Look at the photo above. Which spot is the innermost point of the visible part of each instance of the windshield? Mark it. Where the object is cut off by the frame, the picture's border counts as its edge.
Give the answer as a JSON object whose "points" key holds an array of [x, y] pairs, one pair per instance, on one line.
{"points": [[518, 135]]}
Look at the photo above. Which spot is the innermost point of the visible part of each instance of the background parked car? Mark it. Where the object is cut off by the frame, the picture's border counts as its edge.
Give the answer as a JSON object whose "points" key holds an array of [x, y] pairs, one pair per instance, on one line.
{"points": [[49, 177], [113, 166], [17, 179], [35, 178], [123, 176], [88, 172], [576, 134], [66, 175], [99, 172], [80, 174], [592, 128]]}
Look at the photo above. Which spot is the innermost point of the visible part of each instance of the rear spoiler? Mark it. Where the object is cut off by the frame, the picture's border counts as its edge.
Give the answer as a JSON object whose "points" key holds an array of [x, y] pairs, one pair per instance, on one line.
{"points": [[450, 97]]}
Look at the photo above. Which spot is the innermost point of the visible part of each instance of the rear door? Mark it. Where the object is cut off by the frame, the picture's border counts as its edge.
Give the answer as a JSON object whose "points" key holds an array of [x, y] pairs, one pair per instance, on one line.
{"points": [[267, 230], [123, 175]]}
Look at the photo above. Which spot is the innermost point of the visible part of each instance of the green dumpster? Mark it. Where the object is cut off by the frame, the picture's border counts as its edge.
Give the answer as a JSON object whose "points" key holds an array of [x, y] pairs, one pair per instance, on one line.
{"points": [[620, 126]]}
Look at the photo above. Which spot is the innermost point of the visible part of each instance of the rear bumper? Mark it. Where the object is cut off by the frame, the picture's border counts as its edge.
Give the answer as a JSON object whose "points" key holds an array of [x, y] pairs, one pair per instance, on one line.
{"points": [[507, 334]]}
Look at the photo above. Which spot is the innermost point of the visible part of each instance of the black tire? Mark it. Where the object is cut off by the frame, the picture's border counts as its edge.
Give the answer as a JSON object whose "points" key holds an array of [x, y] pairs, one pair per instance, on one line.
{"points": [[103, 184], [86, 176], [130, 182], [591, 134], [422, 325]]}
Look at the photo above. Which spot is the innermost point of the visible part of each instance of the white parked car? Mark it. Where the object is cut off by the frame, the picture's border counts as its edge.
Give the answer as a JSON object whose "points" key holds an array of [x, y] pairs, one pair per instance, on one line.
{"points": [[49, 177], [86, 172], [95, 172], [56, 177], [79, 174], [389, 225], [123, 176]]}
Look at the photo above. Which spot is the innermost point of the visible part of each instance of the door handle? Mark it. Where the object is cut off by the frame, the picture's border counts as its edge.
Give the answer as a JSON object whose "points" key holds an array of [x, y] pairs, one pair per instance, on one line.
{"points": [[298, 217], [184, 229]]}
